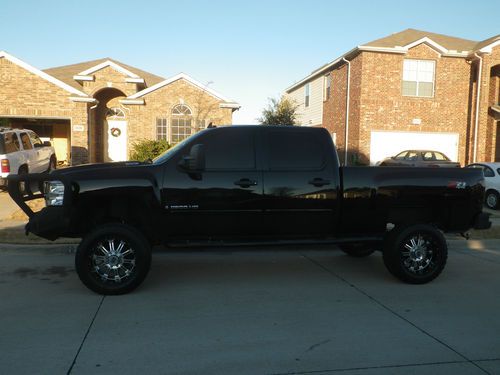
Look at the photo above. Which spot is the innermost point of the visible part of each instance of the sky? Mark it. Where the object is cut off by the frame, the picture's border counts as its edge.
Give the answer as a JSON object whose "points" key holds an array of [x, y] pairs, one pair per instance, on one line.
{"points": [[249, 51]]}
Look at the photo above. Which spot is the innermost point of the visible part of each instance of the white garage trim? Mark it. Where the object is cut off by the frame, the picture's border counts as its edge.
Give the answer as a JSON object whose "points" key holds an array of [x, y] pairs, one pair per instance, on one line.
{"points": [[389, 143]]}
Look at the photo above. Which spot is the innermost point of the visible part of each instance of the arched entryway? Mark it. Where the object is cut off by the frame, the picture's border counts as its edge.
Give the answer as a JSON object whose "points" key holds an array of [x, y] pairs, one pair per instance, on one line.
{"points": [[108, 136]]}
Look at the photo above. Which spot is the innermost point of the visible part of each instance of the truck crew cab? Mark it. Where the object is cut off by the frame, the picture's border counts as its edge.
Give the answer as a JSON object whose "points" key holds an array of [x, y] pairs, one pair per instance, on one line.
{"points": [[244, 184]]}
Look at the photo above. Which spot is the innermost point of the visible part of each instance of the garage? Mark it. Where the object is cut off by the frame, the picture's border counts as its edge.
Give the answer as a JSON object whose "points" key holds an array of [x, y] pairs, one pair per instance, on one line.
{"points": [[384, 143], [54, 130]]}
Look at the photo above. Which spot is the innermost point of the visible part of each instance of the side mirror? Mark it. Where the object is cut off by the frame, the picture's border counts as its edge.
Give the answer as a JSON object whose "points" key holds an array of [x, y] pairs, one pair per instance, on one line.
{"points": [[195, 161], [47, 144]]}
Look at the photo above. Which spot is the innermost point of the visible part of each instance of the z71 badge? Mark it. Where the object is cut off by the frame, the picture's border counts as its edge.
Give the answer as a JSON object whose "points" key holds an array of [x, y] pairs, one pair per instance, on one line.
{"points": [[457, 184]]}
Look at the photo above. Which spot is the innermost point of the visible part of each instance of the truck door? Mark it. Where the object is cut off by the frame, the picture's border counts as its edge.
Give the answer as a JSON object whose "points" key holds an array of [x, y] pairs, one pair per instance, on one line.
{"points": [[300, 182], [225, 198], [30, 154], [40, 152]]}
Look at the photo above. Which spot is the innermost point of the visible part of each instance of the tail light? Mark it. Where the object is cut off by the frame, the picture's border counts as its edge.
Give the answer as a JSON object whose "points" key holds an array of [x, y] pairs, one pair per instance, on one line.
{"points": [[5, 166]]}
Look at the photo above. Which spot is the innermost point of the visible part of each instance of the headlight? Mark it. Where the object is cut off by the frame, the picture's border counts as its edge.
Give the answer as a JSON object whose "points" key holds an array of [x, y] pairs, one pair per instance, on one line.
{"points": [[54, 193]]}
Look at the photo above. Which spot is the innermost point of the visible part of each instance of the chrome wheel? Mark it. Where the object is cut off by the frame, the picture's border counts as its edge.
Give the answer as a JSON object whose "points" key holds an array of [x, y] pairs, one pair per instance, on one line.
{"points": [[418, 254], [492, 200], [113, 260]]}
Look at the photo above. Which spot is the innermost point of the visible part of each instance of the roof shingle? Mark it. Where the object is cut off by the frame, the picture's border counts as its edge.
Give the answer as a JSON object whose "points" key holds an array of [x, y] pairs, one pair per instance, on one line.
{"points": [[65, 73], [408, 36]]}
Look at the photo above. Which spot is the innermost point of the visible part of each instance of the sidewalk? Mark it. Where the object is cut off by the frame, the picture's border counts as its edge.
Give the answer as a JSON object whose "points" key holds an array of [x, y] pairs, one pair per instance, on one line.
{"points": [[7, 206]]}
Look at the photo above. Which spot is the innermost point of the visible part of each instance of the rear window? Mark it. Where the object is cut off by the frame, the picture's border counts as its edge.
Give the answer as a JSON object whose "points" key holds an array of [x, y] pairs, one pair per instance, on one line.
{"points": [[295, 150], [441, 157], [9, 142]]}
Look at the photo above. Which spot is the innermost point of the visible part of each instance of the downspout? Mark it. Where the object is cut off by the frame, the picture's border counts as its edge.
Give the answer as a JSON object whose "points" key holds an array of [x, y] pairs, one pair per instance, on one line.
{"points": [[89, 129], [347, 109], [478, 92]]}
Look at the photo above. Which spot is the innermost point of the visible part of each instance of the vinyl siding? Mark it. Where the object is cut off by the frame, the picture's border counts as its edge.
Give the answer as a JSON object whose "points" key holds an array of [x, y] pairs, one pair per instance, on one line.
{"points": [[312, 115]]}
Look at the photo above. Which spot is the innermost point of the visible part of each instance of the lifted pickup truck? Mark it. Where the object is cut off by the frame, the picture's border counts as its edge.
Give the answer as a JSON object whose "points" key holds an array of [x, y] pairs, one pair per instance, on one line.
{"points": [[251, 184]]}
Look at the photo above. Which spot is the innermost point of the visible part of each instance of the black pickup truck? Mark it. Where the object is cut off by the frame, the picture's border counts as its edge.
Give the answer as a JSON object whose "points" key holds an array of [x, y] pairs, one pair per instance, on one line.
{"points": [[251, 184]]}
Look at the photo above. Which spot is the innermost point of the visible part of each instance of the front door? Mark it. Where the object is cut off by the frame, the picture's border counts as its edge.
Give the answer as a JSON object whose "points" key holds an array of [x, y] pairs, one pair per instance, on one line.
{"points": [[222, 201], [116, 140]]}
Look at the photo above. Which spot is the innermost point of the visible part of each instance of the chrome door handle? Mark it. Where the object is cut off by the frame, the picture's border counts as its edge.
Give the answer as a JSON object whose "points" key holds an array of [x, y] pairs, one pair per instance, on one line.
{"points": [[245, 183], [318, 182]]}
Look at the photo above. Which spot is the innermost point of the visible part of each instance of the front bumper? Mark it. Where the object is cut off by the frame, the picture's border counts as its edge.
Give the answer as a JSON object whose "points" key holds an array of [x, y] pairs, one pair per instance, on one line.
{"points": [[50, 223], [482, 221]]}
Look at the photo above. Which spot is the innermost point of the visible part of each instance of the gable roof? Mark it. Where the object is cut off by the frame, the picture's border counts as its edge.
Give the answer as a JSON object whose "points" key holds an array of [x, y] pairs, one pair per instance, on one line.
{"points": [[187, 78], [408, 36], [41, 74], [67, 72], [401, 42], [488, 42]]}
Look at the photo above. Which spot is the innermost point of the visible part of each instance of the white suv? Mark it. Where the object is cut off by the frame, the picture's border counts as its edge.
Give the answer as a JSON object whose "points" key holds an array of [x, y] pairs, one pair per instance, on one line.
{"points": [[22, 151]]}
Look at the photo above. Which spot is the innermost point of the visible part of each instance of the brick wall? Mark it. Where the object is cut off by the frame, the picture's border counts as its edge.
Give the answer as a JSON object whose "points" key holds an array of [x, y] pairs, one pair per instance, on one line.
{"points": [[377, 103], [108, 77], [159, 104], [488, 125], [24, 94]]}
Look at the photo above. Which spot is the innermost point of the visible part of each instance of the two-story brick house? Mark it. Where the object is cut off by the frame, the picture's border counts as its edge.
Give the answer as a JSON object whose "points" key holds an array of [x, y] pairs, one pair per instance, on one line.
{"points": [[412, 90], [95, 111]]}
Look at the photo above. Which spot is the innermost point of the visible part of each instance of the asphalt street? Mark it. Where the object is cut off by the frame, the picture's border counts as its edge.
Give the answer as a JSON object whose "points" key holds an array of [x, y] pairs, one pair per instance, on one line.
{"points": [[304, 310]]}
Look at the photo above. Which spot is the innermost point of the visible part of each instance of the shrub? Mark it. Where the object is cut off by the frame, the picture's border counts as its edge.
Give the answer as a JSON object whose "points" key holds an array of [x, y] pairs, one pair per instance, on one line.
{"points": [[147, 149]]}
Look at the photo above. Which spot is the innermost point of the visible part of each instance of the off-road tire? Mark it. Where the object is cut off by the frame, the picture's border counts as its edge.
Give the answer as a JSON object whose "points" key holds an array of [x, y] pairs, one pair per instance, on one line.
{"points": [[415, 254], [93, 265]]}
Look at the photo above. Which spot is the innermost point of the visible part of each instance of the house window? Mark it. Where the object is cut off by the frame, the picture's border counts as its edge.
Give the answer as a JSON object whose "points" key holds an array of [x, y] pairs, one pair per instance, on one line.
{"points": [[181, 124], [418, 78], [181, 129], [115, 113], [307, 94], [161, 129], [327, 85]]}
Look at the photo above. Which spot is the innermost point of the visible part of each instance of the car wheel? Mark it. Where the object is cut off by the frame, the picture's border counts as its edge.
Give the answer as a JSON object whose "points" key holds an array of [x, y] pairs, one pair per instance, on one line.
{"points": [[415, 254], [357, 250], [52, 164], [491, 199], [113, 259]]}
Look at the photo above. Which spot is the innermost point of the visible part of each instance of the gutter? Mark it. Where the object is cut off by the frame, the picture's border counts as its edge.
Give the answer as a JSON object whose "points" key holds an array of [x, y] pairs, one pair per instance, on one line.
{"points": [[478, 96], [347, 109]]}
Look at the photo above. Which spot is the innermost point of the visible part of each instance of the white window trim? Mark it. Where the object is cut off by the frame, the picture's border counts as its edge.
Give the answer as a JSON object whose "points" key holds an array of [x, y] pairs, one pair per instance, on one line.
{"points": [[325, 86], [307, 94], [433, 80]]}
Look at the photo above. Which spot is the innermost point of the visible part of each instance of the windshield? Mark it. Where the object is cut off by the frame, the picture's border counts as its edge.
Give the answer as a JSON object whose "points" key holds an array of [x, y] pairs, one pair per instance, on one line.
{"points": [[171, 151]]}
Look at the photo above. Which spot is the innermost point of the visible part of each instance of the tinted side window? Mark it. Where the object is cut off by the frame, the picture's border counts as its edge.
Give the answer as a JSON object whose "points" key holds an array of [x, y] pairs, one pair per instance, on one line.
{"points": [[11, 142], [34, 139], [295, 150], [25, 139], [232, 149], [488, 172]]}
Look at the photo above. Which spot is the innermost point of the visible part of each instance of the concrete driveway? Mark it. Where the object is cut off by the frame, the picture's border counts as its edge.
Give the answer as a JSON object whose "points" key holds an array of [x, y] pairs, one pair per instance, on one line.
{"points": [[306, 311]]}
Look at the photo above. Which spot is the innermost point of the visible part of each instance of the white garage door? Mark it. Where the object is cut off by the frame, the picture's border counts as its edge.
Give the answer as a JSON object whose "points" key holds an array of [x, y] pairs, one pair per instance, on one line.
{"points": [[384, 144]]}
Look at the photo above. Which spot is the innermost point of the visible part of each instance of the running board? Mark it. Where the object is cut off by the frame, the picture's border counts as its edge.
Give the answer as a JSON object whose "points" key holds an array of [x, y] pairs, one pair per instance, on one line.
{"points": [[231, 243]]}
